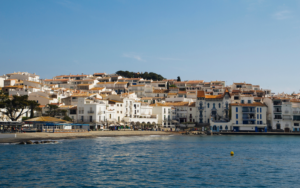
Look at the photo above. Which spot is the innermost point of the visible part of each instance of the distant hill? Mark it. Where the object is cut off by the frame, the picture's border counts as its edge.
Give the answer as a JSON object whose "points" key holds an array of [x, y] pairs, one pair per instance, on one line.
{"points": [[145, 75]]}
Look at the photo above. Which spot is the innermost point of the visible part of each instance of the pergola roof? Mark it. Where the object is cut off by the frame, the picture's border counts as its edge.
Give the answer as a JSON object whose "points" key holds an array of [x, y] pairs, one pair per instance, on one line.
{"points": [[46, 119]]}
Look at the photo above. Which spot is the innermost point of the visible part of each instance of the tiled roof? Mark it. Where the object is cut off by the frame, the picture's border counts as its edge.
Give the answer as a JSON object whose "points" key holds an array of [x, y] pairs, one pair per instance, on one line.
{"points": [[160, 91], [194, 81], [49, 80], [121, 83], [137, 86], [72, 75], [251, 104], [214, 96], [200, 94], [99, 83]]}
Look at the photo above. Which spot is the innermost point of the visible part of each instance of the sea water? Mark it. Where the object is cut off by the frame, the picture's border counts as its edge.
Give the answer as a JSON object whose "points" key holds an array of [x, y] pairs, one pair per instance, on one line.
{"points": [[154, 161]]}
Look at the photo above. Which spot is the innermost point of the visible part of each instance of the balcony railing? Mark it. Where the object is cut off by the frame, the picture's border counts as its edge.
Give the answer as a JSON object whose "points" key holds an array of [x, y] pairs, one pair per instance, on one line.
{"points": [[287, 118], [91, 112]]}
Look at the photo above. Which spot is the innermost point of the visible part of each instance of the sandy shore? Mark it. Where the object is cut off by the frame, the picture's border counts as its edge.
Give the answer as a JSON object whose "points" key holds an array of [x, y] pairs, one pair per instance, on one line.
{"points": [[13, 138]]}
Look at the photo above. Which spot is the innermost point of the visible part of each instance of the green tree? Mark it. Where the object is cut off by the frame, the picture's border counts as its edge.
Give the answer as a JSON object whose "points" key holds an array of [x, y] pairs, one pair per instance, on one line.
{"points": [[53, 110], [32, 106], [178, 79], [15, 106], [168, 85], [67, 118]]}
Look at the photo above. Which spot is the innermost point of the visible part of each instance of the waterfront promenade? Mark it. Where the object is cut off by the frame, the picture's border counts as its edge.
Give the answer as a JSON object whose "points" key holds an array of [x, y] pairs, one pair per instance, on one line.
{"points": [[18, 137]]}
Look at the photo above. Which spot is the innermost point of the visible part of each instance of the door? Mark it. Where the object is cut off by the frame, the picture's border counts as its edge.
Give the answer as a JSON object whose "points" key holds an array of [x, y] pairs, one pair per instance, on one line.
{"points": [[287, 130]]}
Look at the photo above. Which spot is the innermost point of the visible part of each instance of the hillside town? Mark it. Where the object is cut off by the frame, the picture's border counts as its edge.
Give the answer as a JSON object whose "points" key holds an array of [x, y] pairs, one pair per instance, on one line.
{"points": [[104, 101]]}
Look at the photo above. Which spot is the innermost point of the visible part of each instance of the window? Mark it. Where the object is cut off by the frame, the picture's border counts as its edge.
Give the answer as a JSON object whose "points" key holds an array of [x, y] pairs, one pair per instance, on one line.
{"points": [[221, 127], [236, 122], [120, 112], [207, 105], [214, 105], [257, 122], [226, 127], [260, 110], [236, 109], [261, 122], [257, 116], [260, 116], [242, 101], [117, 112], [190, 109], [117, 104], [219, 105], [257, 110], [120, 105], [296, 124], [237, 116], [249, 101]]}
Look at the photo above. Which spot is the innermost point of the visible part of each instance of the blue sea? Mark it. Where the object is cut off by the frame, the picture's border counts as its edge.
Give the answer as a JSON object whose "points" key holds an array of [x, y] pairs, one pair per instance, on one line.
{"points": [[154, 161]]}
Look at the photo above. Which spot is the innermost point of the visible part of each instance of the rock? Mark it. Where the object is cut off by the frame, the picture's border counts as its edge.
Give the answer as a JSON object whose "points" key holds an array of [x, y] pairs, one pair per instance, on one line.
{"points": [[55, 142], [29, 142], [22, 143], [36, 142], [47, 142]]}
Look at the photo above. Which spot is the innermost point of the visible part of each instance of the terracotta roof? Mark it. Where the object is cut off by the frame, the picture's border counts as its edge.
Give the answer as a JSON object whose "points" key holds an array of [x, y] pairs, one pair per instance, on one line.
{"points": [[200, 94], [146, 98], [121, 83], [180, 82], [99, 83], [72, 76], [181, 92], [295, 100], [194, 81], [97, 88], [160, 91], [235, 91], [214, 96], [137, 86], [252, 104], [130, 78], [172, 93], [81, 95], [239, 83], [48, 80], [99, 74]]}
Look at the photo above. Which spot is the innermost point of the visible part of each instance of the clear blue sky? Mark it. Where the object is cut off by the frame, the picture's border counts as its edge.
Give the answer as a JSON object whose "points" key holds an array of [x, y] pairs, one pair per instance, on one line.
{"points": [[257, 41]]}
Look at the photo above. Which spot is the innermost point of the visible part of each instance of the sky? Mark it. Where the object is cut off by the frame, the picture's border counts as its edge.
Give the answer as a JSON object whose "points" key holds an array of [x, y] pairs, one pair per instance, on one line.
{"points": [[253, 41]]}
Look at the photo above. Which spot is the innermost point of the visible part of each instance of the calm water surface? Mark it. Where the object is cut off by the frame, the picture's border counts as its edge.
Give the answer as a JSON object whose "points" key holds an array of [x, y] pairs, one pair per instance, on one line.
{"points": [[154, 161]]}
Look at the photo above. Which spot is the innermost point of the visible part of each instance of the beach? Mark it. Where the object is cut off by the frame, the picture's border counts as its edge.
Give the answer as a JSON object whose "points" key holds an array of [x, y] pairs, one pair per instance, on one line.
{"points": [[19, 137]]}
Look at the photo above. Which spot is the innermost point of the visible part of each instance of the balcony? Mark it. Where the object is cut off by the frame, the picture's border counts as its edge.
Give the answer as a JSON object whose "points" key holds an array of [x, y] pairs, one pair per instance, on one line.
{"points": [[91, 112], [275, 103], [277, 110], [287, 118]]}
